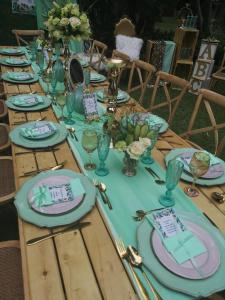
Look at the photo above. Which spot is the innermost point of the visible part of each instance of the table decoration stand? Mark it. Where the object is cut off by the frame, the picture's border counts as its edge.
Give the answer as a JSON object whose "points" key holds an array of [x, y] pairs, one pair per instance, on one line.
{"points": [[114, 70]]}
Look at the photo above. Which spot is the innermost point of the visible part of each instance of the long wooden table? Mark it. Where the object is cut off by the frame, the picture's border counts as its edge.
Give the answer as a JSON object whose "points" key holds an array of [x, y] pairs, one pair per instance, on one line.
{"points": [[83, 264]]}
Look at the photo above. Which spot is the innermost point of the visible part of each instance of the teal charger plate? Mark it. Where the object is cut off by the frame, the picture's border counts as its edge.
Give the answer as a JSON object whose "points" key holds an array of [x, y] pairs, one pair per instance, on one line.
{"points": [[59, 136], [12, 51], [6, 77], [195, 288], [187, 177], [5, 63], [47, 102], [28, 214]]}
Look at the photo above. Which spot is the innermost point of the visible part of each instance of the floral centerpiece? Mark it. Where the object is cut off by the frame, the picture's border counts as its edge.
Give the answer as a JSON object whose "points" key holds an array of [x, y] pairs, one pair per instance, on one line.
{"points": [[68, 22], [132, 135]]}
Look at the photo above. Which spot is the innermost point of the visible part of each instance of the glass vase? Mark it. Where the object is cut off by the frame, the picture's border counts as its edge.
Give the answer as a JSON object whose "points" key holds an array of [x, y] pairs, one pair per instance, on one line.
{"points": [[130, 165]]}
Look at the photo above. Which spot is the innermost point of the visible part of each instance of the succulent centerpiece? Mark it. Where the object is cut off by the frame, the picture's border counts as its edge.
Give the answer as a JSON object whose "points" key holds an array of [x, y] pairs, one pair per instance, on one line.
{"points": [[132, 135]]}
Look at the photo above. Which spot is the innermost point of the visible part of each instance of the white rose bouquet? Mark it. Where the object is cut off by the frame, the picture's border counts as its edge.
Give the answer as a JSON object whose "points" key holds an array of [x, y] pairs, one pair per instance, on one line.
{"points": [[68, 22]]}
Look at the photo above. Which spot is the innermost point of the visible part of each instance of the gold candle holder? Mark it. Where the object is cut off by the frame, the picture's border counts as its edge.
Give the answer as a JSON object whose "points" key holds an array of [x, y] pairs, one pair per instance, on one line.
{"points": [[114, 67]]}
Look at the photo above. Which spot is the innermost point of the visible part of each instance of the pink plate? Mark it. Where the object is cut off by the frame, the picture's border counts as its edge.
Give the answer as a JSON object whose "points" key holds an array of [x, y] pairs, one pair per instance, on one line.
{"points": [[58, 208], [214, 171], [207, 262]]}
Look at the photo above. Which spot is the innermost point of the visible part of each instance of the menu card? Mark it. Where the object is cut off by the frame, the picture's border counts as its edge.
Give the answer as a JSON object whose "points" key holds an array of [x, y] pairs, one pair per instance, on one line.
{"points": [[90, 106]]}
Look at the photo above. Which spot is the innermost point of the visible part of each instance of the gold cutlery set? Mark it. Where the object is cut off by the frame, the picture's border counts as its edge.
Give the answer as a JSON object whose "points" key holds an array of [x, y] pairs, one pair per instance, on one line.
{"points": [[134, 261]]}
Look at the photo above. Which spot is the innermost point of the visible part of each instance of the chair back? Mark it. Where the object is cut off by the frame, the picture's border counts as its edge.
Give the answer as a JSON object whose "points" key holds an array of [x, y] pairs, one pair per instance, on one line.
{"points": [[11, 271], [7, 184], [125, 27], [20, 34], [168, 82], [140, 74], [97, 54], [149, 53], [211, 101]]}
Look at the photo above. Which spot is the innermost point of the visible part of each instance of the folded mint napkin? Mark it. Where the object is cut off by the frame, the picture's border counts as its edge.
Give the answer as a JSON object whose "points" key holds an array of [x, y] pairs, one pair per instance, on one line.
{"points": [[57, 193], [27, 100], [38, 130], [180, 242], [21, 76], [16, 61]]}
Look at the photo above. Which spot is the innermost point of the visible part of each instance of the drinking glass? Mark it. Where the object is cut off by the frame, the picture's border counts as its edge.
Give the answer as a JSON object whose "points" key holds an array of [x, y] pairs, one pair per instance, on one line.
{"points": [[53, 85], [47, 79], [87, 77], [173, 174], [33, 50], [70, 109], [103, 151], [199, 165], [40, 58], [153, 135], [89, 143], [61, 99]]}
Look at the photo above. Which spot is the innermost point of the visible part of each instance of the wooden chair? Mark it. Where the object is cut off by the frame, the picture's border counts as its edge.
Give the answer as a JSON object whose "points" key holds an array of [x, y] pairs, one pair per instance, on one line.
{"points": [[97, 54], [149, 51], [4, 137], [125, 27], [19, 34], [7, 184], [3, 109], [209, 100], [219, 74], [137, 79], [168, 82], [11, 279]]}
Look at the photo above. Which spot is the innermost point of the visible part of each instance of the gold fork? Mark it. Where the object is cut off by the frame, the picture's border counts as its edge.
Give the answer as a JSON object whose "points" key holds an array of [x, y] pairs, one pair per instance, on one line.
{"points": [[124, 255]]}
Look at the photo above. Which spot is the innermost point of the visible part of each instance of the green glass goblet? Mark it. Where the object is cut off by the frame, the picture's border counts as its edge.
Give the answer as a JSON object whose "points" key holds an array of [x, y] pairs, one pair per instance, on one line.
{"points": [[89, 143], [61, 99], [70, 109], [173, 174], [103, 151], [153, 135], [199, 165], [40, 59]]}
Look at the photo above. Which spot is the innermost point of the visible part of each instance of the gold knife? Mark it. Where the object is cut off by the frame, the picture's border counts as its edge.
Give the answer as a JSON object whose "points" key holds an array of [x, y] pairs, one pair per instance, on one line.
{"points": [[72, 227]]}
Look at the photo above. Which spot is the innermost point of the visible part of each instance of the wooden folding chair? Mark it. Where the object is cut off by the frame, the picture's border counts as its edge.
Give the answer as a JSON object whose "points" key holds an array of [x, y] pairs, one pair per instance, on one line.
{"points": [[19, 34], [3, 110], [209, 100], [167, 82], [140, 74], [11, 278], [7, 184], [97, 54], [219, 74], [4, 137], [125, 27]]}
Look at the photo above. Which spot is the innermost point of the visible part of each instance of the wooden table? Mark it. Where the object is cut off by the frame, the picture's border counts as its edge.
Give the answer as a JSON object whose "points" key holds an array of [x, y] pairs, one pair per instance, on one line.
{"points": [[82, 264]]}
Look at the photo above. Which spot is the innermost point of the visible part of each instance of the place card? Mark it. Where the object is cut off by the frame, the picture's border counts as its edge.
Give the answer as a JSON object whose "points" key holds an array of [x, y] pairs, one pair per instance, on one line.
{"points": [[167, 222], [61, 193], [90, 106]]}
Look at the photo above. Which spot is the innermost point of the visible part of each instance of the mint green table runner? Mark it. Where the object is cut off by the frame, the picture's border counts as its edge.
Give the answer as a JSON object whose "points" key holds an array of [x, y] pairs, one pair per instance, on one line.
{"points": [[126, 198]]}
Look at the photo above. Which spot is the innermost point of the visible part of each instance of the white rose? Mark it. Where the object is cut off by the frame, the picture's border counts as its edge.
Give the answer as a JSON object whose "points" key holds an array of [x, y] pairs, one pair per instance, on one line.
{"points": [[145, 141], [74, 22], [64, 22], [135, 150]]}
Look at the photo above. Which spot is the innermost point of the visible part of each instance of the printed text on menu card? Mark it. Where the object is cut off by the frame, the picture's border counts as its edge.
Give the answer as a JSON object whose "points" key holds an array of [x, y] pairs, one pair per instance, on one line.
{"points": [[168, 223]]}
